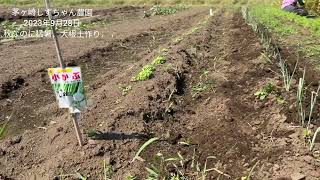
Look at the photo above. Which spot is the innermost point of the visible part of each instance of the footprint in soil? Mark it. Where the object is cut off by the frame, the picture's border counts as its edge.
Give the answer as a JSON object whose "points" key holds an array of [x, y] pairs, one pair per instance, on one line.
{"points": [[4, 177], [9, 86]]}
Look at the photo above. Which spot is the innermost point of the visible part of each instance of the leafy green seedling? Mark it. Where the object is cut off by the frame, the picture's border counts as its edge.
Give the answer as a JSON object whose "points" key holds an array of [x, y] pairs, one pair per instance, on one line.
{"points": [[306, 134], [264, 93], [164, 51], [125, 89], [261, 95], [93, 134], [159, 60], [159, 10], [145, 74]]}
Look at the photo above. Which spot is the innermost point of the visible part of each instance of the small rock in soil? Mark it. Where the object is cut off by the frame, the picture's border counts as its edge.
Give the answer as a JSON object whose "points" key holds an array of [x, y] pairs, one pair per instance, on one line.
{"points": [[59, 129], [16, 140], [258, 136], [3, 177], [93, 142], [276, 167], [150, 88], [284, 178], [298, 176], [292, 108], [98, 151], [2, 152], [53, 122], [174, 138]]}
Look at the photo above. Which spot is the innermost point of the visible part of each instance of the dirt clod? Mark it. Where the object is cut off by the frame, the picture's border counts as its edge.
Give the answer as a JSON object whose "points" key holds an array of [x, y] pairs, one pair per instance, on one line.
{"points": [[16, 140], [298, 176], [2, 152]]}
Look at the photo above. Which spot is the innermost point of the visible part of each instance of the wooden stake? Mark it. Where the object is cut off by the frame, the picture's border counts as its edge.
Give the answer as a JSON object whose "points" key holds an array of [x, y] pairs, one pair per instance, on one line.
{"points": [[75, 119], [75, 116], [54, 34]]}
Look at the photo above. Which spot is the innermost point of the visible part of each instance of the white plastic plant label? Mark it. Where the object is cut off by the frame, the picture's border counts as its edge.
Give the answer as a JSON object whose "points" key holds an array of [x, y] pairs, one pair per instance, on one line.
{"points": [[68, 87]]}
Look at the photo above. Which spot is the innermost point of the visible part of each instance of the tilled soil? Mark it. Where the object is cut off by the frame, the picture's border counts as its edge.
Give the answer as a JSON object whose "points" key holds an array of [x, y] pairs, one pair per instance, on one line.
{"points": [[200, 103]]}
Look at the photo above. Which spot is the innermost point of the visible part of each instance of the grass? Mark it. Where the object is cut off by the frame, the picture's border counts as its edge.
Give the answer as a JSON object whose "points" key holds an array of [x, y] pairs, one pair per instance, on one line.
{"points": [[314, 139], [250, 173], [11, 28], [4, 127], [143, 147], [292, 30], [107, 171], [266, 16], [175, 167], [200, 88], [158, 169]]}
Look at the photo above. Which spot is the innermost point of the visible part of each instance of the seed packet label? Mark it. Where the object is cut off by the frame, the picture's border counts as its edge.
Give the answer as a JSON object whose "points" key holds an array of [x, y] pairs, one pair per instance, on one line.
{"points": [[68, 87]]}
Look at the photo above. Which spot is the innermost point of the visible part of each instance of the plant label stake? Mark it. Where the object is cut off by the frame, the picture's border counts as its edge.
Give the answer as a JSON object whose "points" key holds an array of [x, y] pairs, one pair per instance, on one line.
{"points": [[67, 83]]}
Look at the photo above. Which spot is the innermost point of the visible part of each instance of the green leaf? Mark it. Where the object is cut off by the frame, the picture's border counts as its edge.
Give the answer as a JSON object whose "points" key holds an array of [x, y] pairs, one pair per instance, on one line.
{"points": [[146, 144]]}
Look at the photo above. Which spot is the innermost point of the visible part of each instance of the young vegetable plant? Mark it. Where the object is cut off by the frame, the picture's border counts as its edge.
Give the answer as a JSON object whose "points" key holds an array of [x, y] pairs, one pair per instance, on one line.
{"points": [[314, 96], [287, 77], [265, 92], [159, 60], [125, 89], [145, 74], [200, 88], [300, 99], [314, 139]]}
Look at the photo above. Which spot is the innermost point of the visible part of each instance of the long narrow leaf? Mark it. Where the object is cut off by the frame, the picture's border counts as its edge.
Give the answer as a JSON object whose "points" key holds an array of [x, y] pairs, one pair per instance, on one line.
{"points": [[150, 141], [314, 139]]}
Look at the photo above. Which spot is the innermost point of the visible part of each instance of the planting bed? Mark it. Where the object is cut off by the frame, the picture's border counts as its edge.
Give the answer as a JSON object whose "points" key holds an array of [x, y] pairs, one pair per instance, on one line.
{"points": [[199, 101]]}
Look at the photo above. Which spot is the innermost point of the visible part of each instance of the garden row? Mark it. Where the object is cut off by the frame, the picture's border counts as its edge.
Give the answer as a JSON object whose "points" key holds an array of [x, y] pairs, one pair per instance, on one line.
{"points": [[305, 107]]}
